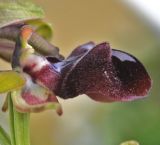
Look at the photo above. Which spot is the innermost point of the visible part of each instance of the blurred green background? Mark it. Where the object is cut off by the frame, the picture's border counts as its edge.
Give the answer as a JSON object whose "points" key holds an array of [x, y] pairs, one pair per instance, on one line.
{"points": [[84, 121]]}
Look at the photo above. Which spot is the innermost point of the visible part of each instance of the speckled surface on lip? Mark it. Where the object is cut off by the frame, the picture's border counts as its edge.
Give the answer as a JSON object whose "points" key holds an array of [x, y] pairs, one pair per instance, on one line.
{"points": [[103, 74]]}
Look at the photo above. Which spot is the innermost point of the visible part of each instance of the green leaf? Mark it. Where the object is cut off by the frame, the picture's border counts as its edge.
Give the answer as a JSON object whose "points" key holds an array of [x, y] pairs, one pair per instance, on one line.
{"points": [[14, 12], [42, 28], [10, 80]]}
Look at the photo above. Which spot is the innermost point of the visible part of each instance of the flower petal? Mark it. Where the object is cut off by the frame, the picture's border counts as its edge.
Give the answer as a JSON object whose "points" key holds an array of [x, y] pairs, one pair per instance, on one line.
{"points": [[41, 71], [82, 49], [35, 98], [6, 49], [103, 74], [134, 78]]}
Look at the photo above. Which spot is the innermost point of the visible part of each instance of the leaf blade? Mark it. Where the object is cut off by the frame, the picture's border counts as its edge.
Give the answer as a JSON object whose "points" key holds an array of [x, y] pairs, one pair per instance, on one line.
{"points": [[15, 12]]}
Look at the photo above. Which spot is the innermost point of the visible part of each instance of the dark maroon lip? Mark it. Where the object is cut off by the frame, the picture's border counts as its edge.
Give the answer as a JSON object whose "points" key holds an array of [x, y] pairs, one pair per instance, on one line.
{"points": [[133, 75], [104, 74]]}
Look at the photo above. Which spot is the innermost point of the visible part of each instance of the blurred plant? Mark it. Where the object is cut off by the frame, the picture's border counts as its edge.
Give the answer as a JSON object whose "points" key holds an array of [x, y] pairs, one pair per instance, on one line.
{"points": [[130, 143], [39, 73]]}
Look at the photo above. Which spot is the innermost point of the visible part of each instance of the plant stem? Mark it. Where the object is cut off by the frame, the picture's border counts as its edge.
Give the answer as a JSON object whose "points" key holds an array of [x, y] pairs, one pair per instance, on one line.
{"points": [[4, 138], [11, 119], [19, 123]]}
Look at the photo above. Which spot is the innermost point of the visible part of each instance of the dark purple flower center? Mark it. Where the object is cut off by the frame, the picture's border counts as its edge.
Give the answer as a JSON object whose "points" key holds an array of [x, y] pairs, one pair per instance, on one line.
{"points": [[101, 73]]}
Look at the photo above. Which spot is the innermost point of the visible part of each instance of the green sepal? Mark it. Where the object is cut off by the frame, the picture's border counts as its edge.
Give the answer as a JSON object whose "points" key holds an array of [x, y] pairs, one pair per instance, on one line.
{"points": [[42, 28], [10, 80]]}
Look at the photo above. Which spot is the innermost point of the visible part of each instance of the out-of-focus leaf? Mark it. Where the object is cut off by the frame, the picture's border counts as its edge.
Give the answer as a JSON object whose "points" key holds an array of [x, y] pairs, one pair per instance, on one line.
{"points": [[14, 12], [130, 143], [42, 28], [10, 80]]}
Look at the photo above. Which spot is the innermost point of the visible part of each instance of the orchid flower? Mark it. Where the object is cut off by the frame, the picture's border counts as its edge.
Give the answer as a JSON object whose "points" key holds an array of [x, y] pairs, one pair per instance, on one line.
{"points": [[40, 74], [102, 73]]}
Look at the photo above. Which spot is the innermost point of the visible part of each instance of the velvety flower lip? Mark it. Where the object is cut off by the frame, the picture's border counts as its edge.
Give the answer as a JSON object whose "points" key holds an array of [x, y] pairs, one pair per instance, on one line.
{"points": [[82, 49], [104, 74], [134, 78]]}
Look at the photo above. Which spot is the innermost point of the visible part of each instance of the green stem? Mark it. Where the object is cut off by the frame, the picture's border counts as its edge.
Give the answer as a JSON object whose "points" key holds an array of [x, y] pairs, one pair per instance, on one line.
{"points": [[11, 119], [4, 137], [20, 132]]}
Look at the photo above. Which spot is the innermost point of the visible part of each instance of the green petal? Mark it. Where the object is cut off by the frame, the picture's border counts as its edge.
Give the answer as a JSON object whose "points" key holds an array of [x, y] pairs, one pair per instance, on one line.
{"points": [[10, 80], [13, 12], [42, 28]]}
